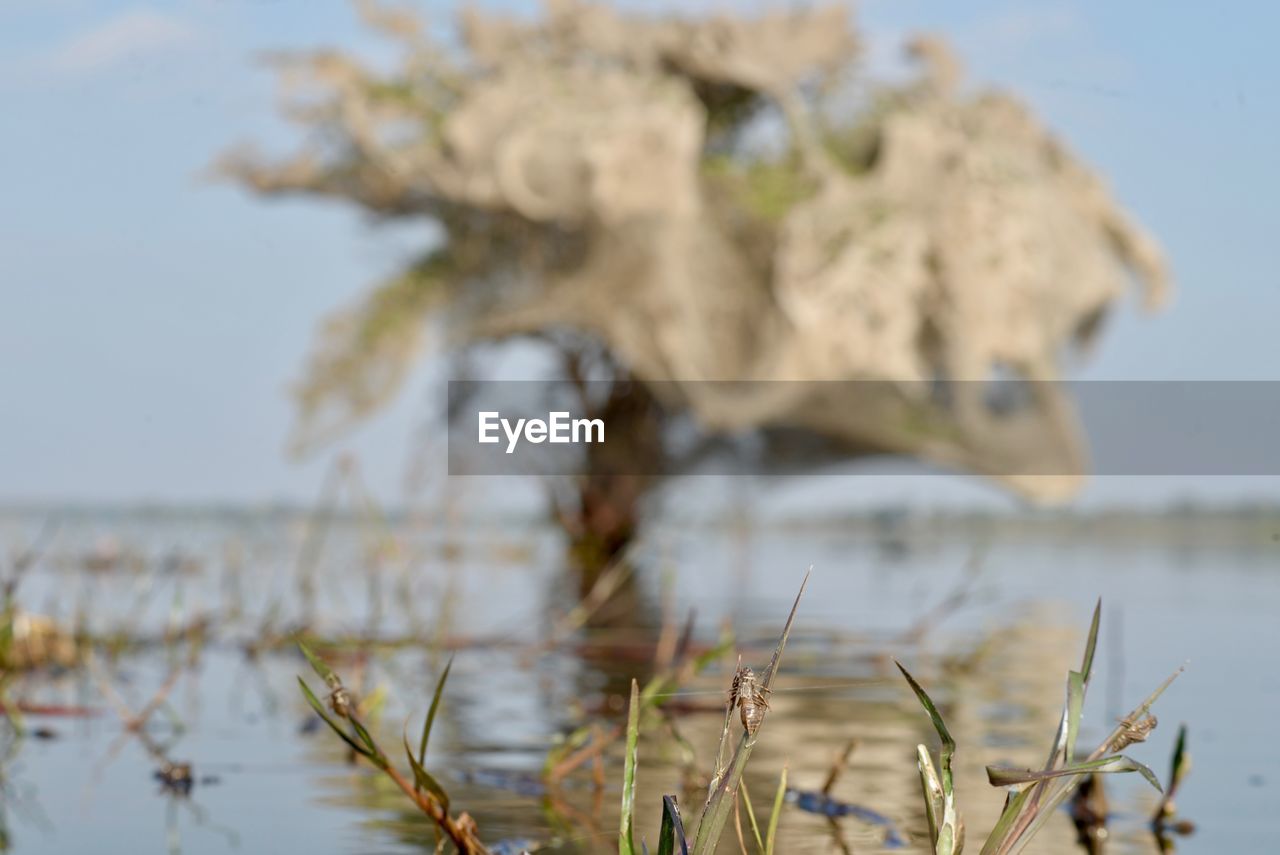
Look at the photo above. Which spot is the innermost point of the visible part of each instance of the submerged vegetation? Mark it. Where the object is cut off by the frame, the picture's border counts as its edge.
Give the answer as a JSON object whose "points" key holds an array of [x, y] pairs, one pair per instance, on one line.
{"points": [[1041, 790], [1033, 794], [665, 735], [425, 791]]}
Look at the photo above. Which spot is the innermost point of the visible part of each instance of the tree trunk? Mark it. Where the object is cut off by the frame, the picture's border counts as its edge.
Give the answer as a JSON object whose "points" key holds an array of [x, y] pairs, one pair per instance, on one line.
{"points": [[602, 514]]}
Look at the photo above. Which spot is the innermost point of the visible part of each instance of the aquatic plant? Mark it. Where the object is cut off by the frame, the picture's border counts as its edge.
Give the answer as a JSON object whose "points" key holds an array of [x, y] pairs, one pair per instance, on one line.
{"points": [[727, 778], [425, 789], [1166, 821], [1034, 794]]}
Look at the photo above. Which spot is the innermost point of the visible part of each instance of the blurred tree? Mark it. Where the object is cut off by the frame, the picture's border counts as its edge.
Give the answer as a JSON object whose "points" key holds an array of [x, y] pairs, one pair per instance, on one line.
{"points": [[666, 201]]}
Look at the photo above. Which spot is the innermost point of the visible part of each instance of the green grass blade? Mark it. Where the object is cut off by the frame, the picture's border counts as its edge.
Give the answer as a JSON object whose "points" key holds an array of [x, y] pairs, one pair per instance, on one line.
{"points": [[329, 720], [431, 713], [1091, 646], [745, 797], [671, 839], [1064, 740], [1005, 776], [931, 789], [321, 669], [716, 813], [1181, 760], [1178, 769], [949, 835], [1012, 810], [626, 840], [1058, 796], [1075, 708], [778, 799], [374, 755], [948, 744], [424, 780]]}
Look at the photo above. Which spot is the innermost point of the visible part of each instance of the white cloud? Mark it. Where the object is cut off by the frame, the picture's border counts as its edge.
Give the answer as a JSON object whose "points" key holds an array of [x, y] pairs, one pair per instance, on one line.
{"points": [[135, 33]]}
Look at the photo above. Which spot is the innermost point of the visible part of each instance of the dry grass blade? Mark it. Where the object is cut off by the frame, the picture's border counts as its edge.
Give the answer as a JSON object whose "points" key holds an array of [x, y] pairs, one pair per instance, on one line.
{"points": [[771, 671], [718, 775]]}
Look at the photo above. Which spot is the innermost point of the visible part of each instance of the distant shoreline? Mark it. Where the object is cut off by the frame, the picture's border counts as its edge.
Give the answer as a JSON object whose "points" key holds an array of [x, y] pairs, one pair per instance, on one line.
{"points": [[885, 518]]}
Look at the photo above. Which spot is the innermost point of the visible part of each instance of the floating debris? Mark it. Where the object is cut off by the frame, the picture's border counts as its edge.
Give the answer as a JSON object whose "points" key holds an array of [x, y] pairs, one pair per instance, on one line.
{"points": [[175, 778], [38, 642]]}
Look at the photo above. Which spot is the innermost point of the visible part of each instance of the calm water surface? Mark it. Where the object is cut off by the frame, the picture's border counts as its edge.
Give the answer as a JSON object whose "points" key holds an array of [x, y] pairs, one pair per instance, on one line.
{"points": [[268, 781]]}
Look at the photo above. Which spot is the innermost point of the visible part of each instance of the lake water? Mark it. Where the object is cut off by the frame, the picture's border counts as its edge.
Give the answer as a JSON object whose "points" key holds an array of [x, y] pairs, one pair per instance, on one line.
{"points": [[267, 780]]}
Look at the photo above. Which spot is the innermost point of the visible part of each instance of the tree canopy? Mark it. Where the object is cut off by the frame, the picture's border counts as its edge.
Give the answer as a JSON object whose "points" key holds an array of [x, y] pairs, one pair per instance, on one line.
{"points": [[717, 198]]}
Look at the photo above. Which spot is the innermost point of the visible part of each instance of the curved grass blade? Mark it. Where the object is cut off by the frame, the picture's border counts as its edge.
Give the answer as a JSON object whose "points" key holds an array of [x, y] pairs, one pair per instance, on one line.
{"points": [[626, 840], [1178, 770], [1062, 752], [931, 788], [1011, 847], [329, 720], [322, 670], [948, 744], [671, 838], [374, 754], [431, 713], [424, 780], [944, 823], [1077, 686], [1005, 776]]}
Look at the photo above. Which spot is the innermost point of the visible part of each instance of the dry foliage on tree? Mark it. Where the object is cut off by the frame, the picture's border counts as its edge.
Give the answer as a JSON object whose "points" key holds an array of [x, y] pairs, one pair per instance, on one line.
{"points": [[717, 198]]}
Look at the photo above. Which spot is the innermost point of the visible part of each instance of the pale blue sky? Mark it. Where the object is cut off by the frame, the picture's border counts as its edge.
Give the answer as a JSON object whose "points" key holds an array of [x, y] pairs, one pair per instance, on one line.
{"points": [[150, 320]]}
